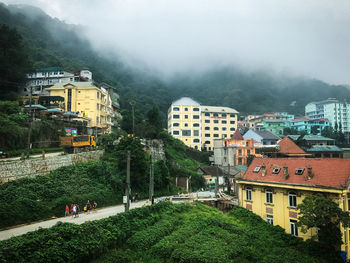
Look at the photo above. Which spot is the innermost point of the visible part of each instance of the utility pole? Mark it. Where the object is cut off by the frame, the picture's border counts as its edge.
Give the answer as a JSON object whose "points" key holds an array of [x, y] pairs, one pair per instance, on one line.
{"points": [[228, 180], [151, 178], [127, 186], [29, 122], [132, 103], [217, 181]]}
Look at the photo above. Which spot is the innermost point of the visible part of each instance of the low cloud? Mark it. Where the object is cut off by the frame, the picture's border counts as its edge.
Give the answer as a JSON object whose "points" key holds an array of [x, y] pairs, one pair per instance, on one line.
{"points": [[309, 38]]}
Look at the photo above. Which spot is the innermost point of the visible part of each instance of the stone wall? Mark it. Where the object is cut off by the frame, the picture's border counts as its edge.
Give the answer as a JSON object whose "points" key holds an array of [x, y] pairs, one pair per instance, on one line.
{"points": [[13, 170], [157, 148]]}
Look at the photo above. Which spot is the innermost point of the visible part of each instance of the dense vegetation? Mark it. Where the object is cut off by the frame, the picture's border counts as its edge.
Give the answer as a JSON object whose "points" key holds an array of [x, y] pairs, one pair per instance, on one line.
{"points": [[30, 199], [50, 42], [165, 233]]}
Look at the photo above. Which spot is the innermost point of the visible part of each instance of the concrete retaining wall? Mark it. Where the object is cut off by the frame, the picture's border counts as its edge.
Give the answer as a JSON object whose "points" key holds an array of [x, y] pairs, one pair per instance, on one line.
{"points": [[13, 170]]}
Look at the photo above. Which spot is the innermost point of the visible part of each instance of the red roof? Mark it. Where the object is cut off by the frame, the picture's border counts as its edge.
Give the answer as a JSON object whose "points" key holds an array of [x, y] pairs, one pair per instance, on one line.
{"points": [[330, 173], [288, 146], [237, 136], [302, 118]]}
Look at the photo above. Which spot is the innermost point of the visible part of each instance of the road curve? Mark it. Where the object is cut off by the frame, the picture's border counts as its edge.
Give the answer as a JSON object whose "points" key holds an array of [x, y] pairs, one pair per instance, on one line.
{"points": [[99, 214]]}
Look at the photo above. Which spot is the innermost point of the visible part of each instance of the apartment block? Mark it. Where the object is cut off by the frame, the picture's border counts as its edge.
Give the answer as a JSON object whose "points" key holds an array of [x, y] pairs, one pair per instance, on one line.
{"points": [[198, 125], [86, 100], [338, 113]]}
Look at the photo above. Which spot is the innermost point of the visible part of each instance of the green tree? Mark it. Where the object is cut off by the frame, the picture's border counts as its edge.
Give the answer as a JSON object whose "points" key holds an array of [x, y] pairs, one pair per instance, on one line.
{"points": [[314, 130], [289, 131], [328, 132], [139, 162], [14, 62], [324, 214]]}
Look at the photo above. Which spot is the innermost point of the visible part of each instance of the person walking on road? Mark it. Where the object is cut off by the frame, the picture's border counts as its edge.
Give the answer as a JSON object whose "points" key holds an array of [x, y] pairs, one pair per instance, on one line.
{"points": [[94, 206], [67, 211], [88, 206], [74, 214], [136, 197]]}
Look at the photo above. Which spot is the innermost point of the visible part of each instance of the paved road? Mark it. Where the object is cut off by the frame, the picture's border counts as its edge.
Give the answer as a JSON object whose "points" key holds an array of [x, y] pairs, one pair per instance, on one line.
{"points": [[35, 156], [99, 214]]}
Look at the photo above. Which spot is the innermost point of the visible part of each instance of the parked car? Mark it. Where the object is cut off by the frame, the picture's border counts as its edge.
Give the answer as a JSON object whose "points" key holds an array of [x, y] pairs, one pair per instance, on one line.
{"points": [[3, 155]]}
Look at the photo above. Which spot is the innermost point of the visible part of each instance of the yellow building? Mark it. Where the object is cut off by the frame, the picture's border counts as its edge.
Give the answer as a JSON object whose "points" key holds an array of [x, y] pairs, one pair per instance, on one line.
{"points": [[87, 100], [273, 187], [197, 126]]}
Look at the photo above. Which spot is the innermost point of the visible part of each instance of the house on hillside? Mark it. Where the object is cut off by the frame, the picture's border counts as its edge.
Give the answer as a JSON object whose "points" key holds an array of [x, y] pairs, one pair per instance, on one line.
{"points": [[262, 137], [273, 187]]}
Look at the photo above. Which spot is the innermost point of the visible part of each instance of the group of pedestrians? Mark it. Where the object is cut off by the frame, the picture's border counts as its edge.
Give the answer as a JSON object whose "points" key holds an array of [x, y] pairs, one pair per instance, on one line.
{"points": [[74, 209]]}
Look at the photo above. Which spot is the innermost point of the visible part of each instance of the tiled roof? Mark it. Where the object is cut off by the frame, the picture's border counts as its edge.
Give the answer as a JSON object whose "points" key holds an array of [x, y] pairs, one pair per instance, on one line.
{"points": [[217, 109], [288, 146], [293, 137], [212, 170], [329, 173], [330, 148], [185, 101], [267, 135], [237, 136], [301, 119], [312, 137]]}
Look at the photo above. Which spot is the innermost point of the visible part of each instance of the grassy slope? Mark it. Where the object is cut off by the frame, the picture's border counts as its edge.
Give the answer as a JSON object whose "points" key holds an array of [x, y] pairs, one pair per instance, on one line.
{"points": [[165, 233]]}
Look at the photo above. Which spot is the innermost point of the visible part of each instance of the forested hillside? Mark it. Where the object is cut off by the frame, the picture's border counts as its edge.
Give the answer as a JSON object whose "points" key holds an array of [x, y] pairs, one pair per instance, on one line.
{"points": [[50, 42]]}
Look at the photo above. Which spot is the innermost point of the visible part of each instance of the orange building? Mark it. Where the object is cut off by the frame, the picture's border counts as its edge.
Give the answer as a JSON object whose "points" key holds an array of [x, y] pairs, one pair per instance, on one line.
{"points": [[244, 147]]}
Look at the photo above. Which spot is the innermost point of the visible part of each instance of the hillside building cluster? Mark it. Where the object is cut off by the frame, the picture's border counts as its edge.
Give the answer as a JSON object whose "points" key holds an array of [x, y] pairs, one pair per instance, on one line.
{"points": [[73, 96], [270, 173]]}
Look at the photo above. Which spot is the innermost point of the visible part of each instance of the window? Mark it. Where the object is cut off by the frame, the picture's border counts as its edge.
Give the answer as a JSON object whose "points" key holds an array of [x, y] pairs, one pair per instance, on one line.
{"points": [[175, 116], [215, 115], [248, 194], [223, 115], [257, 169], [98, 95], [196, 133], [207, 142], [195, 109], [207, 135], [186, 109], [207, 128], [195, 124], [186, 132], [196, 140], [223, 122], [196, 117], [216, 135], [216, 128], [232, 129], [98, 106], [176, 109], [186, 116], [276, 170], [176, 133], [216, 121], [292, 199], [186, 124], [269, 196], [232, 122], [207, 121], [299, 171], [207, 114], [293, 227], [175, 124], [223, 128], [269, 219]]}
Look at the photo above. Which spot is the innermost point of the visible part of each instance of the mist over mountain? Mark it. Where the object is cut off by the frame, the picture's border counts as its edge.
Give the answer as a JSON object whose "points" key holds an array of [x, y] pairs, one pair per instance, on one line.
{"points": [[51, 42]]}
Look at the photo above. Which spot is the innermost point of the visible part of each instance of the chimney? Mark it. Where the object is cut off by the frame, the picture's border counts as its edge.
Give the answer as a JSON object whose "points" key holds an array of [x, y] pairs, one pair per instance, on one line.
{"points": [[285, 172], [263, 170], [310, 174]]}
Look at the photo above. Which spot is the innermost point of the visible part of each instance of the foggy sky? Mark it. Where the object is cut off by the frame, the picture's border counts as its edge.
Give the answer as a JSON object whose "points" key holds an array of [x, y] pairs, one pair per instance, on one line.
{"points": [[303, 37]]}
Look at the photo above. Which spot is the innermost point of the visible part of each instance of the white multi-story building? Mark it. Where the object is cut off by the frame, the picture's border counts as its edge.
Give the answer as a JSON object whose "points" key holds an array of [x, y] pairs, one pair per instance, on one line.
{"points": [[197, 125], [338, 113], [44, 78]]}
